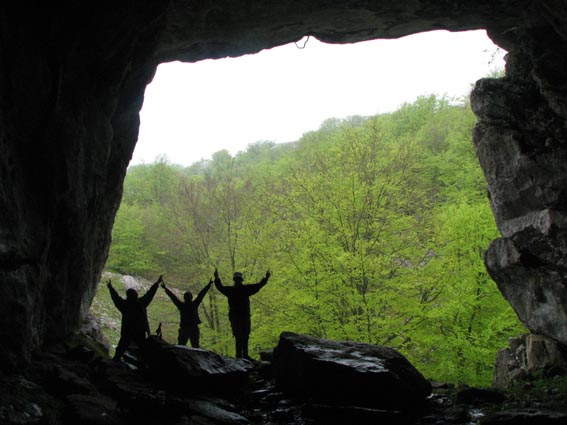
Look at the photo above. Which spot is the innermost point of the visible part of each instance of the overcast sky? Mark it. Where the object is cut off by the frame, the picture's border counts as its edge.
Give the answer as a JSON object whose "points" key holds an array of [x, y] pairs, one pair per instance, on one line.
{"points": [[193, 110]]}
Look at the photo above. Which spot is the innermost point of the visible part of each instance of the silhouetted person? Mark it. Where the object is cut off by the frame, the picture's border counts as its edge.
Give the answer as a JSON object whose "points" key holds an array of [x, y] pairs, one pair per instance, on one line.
{"points": [[135, 327], [239, 308], [188, 314]]}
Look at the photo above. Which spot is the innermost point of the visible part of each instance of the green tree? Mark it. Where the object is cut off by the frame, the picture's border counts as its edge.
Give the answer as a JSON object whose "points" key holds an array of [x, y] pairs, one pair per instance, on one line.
{"points": [[374, 228]]}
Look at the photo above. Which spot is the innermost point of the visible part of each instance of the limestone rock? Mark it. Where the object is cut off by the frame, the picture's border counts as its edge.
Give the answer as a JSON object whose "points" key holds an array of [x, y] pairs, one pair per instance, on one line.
{"points": [[536, 292], [193, 370], [519, 142], [544, 353], [528, 357], [509, 367], [347, 373]]}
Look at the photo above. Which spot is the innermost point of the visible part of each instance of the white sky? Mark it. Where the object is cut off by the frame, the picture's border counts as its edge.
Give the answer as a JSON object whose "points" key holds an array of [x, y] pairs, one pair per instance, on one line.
{"points": [[192, 110]]}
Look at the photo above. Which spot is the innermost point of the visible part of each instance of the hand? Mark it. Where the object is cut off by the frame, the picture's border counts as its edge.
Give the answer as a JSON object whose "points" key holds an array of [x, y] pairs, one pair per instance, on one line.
{"points": [[216, 274], [160, 279], [163, 285], [108, 284], [268, 274], [211, 282]]}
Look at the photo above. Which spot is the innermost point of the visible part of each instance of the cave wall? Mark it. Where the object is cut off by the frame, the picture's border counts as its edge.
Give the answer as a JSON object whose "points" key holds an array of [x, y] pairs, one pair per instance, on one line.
{"points": [[520, 141], [72, 84]]}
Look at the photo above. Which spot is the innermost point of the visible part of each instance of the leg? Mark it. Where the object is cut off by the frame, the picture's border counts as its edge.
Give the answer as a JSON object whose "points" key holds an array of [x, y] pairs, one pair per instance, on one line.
{"points": [[194, 337], [182, 337], [245, 334], [245, 347], [239, 347], [123, 344], [234, 324]]}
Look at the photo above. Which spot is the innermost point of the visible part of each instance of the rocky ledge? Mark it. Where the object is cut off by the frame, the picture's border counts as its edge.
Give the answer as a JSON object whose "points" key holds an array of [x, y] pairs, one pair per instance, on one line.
{"points": [[304, 380]]}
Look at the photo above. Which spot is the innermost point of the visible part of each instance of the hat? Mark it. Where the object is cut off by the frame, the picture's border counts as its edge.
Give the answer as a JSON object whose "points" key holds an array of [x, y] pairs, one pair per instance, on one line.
{"points": [[238, 275]]}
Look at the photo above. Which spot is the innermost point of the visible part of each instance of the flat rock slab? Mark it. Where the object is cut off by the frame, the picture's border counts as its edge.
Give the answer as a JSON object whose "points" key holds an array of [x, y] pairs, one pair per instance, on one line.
{"points": [[347, 373], [525, 417]]}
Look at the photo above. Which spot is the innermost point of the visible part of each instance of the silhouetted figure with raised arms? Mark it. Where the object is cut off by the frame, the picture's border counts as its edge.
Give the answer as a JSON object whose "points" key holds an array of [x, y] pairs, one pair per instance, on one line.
{"points": [[239, 308], [135, 327], [189, 314]]}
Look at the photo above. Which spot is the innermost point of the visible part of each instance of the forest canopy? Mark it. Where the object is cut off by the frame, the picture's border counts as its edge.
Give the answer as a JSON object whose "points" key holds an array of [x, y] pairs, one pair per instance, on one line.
{"points": [[374, 229]]}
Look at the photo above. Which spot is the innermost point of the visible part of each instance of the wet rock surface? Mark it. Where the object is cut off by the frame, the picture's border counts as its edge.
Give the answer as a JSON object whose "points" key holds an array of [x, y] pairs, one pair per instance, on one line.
{"points": [[347, 372], [192, 370], [69, 386]]}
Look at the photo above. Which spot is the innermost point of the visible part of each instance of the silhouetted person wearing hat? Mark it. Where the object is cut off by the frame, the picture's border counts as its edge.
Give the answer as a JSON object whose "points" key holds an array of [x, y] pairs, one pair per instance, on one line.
{"points": [[135, 327], [189, 314], [239, 308]]}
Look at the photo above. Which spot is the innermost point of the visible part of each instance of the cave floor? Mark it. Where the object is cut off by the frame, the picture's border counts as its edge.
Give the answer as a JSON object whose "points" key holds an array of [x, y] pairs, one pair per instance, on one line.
{"points": [[78, 386]]}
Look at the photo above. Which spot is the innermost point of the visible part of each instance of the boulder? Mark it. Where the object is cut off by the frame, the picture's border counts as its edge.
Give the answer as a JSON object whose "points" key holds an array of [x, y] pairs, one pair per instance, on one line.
{"points": [[527, 357], [543, 353], [347, 373], [507, 369], [133, 392], [193, 370]]}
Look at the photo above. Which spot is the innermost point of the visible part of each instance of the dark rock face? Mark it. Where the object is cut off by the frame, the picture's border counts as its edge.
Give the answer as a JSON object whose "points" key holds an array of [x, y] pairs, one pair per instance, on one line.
{"points": [[63, 387], [346, 373], [520, 142], [71, 91], [72, 84]]}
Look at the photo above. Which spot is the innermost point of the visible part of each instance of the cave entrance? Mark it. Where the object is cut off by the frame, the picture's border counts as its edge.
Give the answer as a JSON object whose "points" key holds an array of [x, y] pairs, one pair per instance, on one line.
{"points": [[237, 102]]}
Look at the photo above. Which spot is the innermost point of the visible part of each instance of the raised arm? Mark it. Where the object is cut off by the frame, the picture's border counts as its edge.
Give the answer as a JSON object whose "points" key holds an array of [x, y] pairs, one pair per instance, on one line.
{"points": [[203, 292], [171, 295], [147, 298], [116, 299], [254, 288], [218, 284]]}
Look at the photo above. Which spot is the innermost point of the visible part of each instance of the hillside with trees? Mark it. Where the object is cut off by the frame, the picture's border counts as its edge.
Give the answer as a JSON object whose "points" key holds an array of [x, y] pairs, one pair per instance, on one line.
{"points": [[374, 229]]}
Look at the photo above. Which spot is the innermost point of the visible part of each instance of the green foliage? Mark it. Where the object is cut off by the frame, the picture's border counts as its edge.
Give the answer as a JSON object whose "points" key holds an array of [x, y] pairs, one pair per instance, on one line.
{"points": [[129, 250], [374, 229], [546, 391]]}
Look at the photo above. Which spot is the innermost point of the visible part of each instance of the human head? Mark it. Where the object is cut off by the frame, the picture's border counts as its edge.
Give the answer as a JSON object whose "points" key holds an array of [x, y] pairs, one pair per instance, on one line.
{"points": [[238, 278], [131, 294], [188, 296]]}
